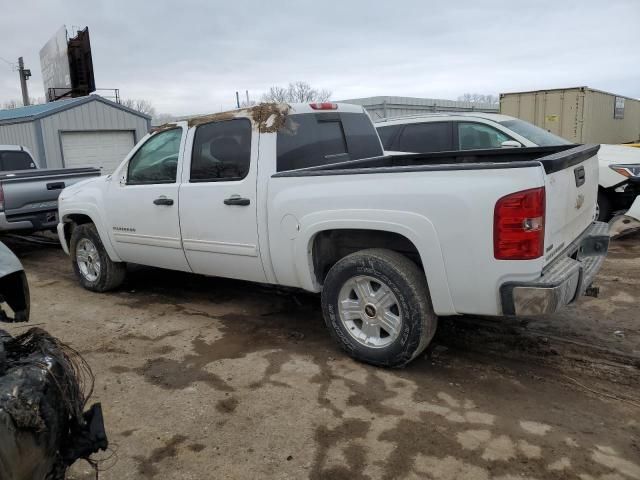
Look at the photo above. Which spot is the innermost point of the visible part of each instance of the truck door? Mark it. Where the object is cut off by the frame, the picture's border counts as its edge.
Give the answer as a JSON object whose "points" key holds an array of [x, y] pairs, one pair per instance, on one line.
{"points": [[218, 201], [142, 204]]}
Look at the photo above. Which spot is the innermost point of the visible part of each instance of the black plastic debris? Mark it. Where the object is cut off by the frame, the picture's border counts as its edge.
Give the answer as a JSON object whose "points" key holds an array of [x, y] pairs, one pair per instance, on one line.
{"points": [[44, 388], [14, 289]]}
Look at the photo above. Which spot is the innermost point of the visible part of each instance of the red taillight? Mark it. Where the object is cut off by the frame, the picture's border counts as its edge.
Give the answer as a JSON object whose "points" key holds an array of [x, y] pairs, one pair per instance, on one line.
{"points": [[324, 106], [518, 225]]}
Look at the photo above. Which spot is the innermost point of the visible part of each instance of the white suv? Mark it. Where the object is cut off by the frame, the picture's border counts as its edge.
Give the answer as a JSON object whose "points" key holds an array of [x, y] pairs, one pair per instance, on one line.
{"points": [[619, 183]]}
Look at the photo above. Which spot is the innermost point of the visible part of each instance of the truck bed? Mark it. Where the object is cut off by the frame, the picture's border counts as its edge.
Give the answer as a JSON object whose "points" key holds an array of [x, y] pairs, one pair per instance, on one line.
{"points": [[31, 196]]}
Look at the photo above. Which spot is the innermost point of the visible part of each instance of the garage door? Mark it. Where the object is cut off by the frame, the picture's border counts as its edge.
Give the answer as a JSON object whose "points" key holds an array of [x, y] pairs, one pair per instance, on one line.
{"points": [[104, 149]]}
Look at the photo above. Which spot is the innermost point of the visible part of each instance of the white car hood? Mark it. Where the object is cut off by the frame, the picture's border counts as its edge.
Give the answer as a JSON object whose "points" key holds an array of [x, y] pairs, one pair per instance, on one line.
{"points": [[619, 154], [615, 154]]}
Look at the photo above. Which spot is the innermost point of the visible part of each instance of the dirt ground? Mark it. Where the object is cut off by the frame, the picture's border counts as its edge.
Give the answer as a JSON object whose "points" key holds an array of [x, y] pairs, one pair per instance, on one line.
{"points": [[211, 378]]}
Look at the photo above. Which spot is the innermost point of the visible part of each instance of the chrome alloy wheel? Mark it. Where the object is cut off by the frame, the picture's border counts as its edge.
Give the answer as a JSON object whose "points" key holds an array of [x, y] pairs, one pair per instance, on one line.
{"points": [[88, 259], [369, 311]]}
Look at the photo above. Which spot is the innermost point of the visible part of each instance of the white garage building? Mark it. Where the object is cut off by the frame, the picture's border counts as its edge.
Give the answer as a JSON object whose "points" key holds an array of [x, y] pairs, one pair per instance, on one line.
{"points": [[77, 132]]}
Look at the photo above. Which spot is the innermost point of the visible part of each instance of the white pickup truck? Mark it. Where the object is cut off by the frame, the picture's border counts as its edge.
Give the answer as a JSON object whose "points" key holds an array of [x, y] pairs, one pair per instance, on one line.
{"points": [[302, 196]]}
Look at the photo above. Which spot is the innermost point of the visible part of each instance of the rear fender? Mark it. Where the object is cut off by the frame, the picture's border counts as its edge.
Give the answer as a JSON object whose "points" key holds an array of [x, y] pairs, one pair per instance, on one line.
{"points": [[416, 228]]}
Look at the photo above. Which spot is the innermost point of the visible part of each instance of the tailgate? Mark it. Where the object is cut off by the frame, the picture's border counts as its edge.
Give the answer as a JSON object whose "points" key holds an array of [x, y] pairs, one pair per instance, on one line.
{"points": [[32, 191], [571, 185]]}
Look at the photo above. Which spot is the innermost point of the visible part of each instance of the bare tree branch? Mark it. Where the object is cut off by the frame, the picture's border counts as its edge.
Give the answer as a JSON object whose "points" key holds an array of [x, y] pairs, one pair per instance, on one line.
{"points": [[296, 92], [141, 105], [10, 104], [479, 98]]}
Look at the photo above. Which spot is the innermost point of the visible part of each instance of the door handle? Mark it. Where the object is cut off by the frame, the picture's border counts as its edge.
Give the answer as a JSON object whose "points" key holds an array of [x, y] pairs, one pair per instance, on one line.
{"points": [[163, 201], [237, 200], [580, 176], [55, 186]]}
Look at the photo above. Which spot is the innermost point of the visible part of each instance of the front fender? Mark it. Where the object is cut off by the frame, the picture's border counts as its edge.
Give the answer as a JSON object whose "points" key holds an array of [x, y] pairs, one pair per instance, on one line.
{"points": [[416, 228], [93, 214], [88, 201]]}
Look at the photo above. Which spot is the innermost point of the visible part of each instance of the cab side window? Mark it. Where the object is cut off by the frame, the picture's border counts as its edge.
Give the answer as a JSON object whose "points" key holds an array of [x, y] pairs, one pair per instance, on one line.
{"points": [[221, 151], [426, 137], [157, 160], [474, 136]]}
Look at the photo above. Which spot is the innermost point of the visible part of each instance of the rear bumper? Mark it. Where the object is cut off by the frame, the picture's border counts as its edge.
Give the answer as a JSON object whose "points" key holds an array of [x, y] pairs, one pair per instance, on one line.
{"points": [[563, 280], [6, 226], [31, 222]]}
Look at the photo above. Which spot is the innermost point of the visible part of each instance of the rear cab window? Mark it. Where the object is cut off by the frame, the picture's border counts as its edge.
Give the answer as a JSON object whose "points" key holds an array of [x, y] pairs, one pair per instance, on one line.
{"points": [[16, 160], [313, 139]]}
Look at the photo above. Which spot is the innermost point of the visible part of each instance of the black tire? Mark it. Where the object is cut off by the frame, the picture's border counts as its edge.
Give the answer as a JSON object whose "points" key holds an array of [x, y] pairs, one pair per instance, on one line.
{"points": [[111, 274], [408, 284], [604, 207]]}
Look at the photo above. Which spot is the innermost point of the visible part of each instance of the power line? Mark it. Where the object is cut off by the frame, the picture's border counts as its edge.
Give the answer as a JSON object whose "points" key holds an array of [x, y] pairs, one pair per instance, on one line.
{"points": [[13, 64]]}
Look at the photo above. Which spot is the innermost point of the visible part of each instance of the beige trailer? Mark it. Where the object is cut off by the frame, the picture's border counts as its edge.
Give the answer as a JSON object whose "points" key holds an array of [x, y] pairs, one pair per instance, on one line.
{"points": [[581, 114]]}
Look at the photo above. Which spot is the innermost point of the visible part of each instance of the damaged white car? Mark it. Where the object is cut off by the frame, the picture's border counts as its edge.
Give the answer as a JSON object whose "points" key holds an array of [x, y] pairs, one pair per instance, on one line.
{"points": [[619, 165]]}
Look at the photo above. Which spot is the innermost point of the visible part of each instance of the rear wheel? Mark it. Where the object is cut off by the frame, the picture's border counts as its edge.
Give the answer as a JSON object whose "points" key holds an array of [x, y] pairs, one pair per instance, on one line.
{"points": [[376, 304], [91, 263]]}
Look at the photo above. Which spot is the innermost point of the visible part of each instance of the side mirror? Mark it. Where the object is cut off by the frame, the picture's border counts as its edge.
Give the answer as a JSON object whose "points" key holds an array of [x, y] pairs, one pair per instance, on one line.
{"points": [[510, 144]]}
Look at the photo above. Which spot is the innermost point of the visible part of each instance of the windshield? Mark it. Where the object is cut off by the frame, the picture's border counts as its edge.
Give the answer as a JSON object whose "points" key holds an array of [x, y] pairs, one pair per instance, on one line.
{"points": [[537, 135]]}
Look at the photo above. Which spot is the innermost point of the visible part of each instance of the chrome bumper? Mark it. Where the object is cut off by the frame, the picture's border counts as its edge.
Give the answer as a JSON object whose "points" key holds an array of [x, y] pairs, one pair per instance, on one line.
{"points": [[563, 280]]}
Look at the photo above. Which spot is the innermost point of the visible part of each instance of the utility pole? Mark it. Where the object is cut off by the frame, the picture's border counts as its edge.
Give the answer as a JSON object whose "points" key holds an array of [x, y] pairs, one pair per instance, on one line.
{"points": [[24, 73], [237, 100]]}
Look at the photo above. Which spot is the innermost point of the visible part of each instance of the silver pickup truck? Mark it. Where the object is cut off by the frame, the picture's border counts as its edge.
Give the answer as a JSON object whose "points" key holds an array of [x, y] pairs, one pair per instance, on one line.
{"points": [[28, 194]]}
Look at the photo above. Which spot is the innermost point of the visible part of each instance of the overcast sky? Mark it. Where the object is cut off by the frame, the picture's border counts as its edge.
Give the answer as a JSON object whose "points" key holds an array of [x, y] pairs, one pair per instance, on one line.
{"points": [[191, 56]]}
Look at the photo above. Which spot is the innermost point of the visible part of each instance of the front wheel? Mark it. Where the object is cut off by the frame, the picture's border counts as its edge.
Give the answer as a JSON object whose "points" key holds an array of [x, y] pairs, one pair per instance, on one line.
{"points": [[376, 304], [91, 263]]}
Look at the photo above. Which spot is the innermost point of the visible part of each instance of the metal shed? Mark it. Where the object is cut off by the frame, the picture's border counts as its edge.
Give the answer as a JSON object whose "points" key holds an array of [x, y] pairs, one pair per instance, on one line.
{"points": [[85, 131], [580, 114], [390, 107]]}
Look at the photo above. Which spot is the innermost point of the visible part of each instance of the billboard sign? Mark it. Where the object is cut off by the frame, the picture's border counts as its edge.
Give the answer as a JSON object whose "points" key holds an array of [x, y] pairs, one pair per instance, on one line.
{"points": [[54, 62], [81, 64]]}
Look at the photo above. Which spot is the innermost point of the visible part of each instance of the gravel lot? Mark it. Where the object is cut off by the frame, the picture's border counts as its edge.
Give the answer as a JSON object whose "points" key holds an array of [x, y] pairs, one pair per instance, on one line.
{"points": [[212, 378]]}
